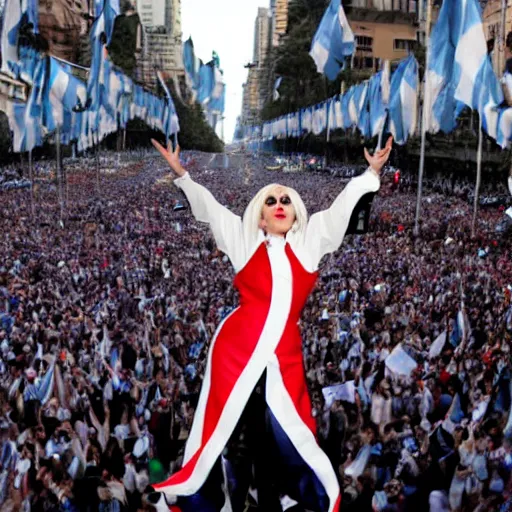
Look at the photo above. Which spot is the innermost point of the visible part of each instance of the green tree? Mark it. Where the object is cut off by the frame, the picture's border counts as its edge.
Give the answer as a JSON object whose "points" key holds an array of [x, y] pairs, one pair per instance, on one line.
{"points": [[301, 84], [195, 132]]}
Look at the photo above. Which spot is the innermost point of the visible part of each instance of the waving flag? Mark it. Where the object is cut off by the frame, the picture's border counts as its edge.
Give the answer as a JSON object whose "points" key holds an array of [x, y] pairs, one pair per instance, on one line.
{"points": [[275, 94], [378, 96], [346, 101], [192, 66], [111, 10], [319, 119], [170, 117], [403, 101], [16, 13], [64, 93], [333, 109], [26, 119], [206, 83], [358, 108], [460, 70], [333, 41]]}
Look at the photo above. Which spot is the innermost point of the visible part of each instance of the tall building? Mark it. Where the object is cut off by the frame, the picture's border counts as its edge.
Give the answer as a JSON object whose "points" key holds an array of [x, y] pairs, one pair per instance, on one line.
{"points": [[162, 46], [152, 12], [388, 35], [279, 9], [261, 36], [254, 90], [492, 20], [250, 98]]}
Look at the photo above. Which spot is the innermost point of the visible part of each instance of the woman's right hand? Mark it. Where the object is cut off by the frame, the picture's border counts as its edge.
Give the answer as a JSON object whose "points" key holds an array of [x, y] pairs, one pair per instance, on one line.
{"points": [[172, 157]]}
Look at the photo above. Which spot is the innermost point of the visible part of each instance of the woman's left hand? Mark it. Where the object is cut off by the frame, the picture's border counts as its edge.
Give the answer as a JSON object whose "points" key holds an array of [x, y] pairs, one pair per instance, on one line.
{"points": [[380, 157]]}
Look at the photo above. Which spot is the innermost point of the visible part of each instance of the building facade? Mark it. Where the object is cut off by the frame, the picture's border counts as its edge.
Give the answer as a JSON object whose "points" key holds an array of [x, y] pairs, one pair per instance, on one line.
{"points": [[492, 19], [250, 98], [261, 36], [390, 35], [162, 45], [152, 12], [279, 11]]}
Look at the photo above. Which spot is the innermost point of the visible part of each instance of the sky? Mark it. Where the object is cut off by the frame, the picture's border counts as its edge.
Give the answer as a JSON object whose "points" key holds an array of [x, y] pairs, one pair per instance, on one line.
{"points": [[226, 26]]}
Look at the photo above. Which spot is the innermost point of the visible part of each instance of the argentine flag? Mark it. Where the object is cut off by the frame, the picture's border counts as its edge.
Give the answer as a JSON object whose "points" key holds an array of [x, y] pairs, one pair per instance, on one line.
{"points": [[206, 83], [65, 92], [169, 117], [460, 71], [16, 13], [333, 41], [192, 66], [378, 96], [403, 101]]}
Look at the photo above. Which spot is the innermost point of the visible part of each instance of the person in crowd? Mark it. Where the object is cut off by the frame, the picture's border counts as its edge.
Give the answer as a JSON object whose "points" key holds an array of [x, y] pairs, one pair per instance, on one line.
{"points": [[104, 336]]}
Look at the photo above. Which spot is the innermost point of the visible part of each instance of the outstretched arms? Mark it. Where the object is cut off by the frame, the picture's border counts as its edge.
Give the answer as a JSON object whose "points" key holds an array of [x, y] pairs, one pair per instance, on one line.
{"points": [[326, 229], [225, 225]]}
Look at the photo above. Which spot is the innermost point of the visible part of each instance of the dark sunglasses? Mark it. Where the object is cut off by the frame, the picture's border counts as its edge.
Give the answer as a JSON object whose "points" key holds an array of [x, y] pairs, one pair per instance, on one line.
{"points": [[284, 200]]}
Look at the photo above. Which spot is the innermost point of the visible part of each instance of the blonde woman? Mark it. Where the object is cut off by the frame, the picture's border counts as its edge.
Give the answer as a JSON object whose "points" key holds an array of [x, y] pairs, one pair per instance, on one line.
{"points": [[256, 353]]}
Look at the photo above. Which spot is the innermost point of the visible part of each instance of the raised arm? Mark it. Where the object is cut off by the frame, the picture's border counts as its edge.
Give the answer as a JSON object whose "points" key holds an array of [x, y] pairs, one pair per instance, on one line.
{"points": [[225, 225], [326, 229]]}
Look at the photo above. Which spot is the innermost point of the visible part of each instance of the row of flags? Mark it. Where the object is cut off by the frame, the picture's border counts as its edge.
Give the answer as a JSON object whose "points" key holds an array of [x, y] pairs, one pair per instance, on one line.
{"points": [[60, 102], [459, 72], [205, 81], [385, 102]]}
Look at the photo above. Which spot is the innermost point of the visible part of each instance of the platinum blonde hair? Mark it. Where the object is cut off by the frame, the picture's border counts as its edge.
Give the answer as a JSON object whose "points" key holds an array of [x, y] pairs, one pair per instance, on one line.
{"points": [[252, 214]]}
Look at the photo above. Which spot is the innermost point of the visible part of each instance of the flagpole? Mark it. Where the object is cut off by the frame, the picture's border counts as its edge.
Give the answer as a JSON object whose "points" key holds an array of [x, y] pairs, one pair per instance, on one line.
{"points": [[59, 173], [328, 135], [97, 156], [66, 183], [501, 50], [424, 113], [31, 177], [381, 133], [478, 176]]}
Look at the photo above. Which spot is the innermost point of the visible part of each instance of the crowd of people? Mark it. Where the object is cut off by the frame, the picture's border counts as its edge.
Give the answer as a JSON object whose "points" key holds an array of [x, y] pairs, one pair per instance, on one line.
{"points": [[106, 316]]}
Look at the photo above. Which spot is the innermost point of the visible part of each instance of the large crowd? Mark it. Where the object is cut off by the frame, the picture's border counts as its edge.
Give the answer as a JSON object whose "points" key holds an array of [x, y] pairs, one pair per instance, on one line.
{"points": [[106, 317]]}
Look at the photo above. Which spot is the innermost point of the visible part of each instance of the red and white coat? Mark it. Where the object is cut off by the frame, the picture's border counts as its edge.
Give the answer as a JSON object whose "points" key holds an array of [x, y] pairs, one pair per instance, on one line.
{"points": [[274, 279]]}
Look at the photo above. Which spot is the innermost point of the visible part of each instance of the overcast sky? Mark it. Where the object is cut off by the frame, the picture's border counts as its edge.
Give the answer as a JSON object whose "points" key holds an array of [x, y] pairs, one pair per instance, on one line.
{"points": [[226, 26]]}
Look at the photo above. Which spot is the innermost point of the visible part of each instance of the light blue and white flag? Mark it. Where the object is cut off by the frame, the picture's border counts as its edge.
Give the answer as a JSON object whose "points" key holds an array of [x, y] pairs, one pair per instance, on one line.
{"points": [[403, 101], [206, 83], [358, 108], [331, 113], [275, 94], [26, 119], [460, 69], [65, 92], [333, 41], [319, 120], [10, 31], [111, 9], [307, 119], [16, 13], [192, 66], [169, 116], [293, 124], [346, 102], [378, 100]]}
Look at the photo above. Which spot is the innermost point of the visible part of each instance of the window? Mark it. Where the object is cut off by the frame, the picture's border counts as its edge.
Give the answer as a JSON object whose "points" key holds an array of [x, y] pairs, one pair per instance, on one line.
{"points": [[364, 43], [363, 63], [404, 44]]}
